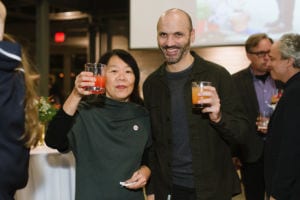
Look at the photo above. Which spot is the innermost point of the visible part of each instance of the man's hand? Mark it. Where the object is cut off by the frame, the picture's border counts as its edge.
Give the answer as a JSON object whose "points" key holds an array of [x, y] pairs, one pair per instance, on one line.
{"points": [[236, 162], [272, 198], [151, 197], [214, 110]]}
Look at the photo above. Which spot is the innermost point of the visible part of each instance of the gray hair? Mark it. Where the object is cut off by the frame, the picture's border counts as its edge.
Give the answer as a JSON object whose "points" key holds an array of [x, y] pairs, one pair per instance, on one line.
{"points": [[289, 47]]}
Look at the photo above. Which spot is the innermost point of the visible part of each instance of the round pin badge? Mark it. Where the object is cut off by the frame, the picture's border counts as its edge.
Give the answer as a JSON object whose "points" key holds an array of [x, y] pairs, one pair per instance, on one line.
{"points": [[135, 127]]}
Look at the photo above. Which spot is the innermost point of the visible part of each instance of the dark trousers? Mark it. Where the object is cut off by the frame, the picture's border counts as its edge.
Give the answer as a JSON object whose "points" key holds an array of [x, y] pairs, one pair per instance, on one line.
{"points": [[253, 180], [183, 193], [6, 195]]}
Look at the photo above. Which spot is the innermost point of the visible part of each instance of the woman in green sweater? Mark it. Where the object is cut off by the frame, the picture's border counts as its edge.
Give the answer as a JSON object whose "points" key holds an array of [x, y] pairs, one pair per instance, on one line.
{"points": [[108, 134]]}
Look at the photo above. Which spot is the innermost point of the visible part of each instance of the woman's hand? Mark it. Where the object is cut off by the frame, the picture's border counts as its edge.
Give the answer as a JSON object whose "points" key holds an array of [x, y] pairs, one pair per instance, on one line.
{"points": [[83, 80], [139, 178]]}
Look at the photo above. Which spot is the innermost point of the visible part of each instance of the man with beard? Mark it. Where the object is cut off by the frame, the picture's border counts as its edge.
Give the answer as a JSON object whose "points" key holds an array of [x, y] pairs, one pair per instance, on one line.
{"points": [[190, 157]]}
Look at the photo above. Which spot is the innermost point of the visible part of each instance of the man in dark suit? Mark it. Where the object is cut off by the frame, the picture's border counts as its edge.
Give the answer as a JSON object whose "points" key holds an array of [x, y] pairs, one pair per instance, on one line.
{"points": [[282, 151], [256, 88]]}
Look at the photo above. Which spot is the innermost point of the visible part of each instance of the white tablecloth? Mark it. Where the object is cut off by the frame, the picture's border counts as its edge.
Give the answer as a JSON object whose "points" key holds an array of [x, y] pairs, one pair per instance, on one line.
{"points": [[51, 176]]}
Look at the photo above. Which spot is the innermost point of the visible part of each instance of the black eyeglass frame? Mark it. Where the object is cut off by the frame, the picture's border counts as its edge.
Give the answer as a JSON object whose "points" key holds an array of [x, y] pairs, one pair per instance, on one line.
{"points": [[259, 54]]}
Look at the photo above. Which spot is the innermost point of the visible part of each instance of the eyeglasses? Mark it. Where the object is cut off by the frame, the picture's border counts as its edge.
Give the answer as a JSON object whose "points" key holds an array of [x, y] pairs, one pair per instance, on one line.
{"points": [[260, 54]]}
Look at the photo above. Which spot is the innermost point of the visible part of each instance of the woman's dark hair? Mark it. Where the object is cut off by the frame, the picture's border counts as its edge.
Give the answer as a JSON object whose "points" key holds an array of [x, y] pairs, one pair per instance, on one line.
{"points": [[128, 59]]}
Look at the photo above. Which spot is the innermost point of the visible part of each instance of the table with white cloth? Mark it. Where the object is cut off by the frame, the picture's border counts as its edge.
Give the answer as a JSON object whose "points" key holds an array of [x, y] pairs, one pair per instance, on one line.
{"points": [[51, 176]]}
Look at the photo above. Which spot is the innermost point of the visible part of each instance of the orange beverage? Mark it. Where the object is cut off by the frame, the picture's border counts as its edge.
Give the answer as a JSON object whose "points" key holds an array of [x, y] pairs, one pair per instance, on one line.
{"points": [[198, 87], [98, 70], [195, 97], [99, 87]]}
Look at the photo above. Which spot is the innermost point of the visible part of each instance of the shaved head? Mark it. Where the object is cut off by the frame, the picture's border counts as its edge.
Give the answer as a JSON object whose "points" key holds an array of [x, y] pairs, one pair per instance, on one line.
{"points": [[177, 13], [175, 34]]}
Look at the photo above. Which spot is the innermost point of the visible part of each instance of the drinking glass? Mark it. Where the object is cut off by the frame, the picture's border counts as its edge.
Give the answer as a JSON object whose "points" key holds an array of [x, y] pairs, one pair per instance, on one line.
{"points": [[98, 70], [197, 87], [263, 121]]}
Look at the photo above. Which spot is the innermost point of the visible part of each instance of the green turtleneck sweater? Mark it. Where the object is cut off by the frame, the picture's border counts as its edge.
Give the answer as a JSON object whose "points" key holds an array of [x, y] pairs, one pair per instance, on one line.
{"points": [[108, 141]]}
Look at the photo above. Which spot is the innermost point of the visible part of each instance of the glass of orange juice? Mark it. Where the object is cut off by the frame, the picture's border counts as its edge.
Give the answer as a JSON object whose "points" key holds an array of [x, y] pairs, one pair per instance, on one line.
{"points": [[197, 87], [98, 71]]}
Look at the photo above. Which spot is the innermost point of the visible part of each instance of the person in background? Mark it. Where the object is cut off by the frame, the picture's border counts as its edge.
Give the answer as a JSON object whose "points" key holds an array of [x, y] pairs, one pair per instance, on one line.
{"points": [[55, 93], [108, 135], [282, 150], [19, 125], [190, 157], [255, 87]]}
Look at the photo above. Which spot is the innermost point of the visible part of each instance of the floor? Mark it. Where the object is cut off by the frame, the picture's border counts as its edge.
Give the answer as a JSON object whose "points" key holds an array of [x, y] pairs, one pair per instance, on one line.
{"points": [[239, 197]]}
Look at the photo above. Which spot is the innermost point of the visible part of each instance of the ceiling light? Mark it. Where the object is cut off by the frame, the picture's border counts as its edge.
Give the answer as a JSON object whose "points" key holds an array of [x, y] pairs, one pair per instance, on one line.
{"points": [[70, 15]]}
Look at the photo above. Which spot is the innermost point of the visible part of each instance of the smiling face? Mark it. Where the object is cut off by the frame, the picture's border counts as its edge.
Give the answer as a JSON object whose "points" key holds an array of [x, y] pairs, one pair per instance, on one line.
{"points": [[174, 36], [119, 79]]}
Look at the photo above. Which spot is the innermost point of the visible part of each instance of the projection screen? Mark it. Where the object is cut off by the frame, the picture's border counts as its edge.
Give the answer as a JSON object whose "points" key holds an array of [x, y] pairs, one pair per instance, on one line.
{"points": [[217, 22]]}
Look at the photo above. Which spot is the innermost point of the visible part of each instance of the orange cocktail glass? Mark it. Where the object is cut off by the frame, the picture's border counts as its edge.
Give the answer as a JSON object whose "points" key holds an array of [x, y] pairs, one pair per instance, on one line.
{"points": [[99, 87], [198, 87]]}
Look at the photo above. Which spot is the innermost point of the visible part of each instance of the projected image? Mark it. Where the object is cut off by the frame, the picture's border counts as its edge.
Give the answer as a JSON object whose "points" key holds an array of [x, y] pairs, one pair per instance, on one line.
{"points": [[285, 18], [229, 21], [217, 22]]}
